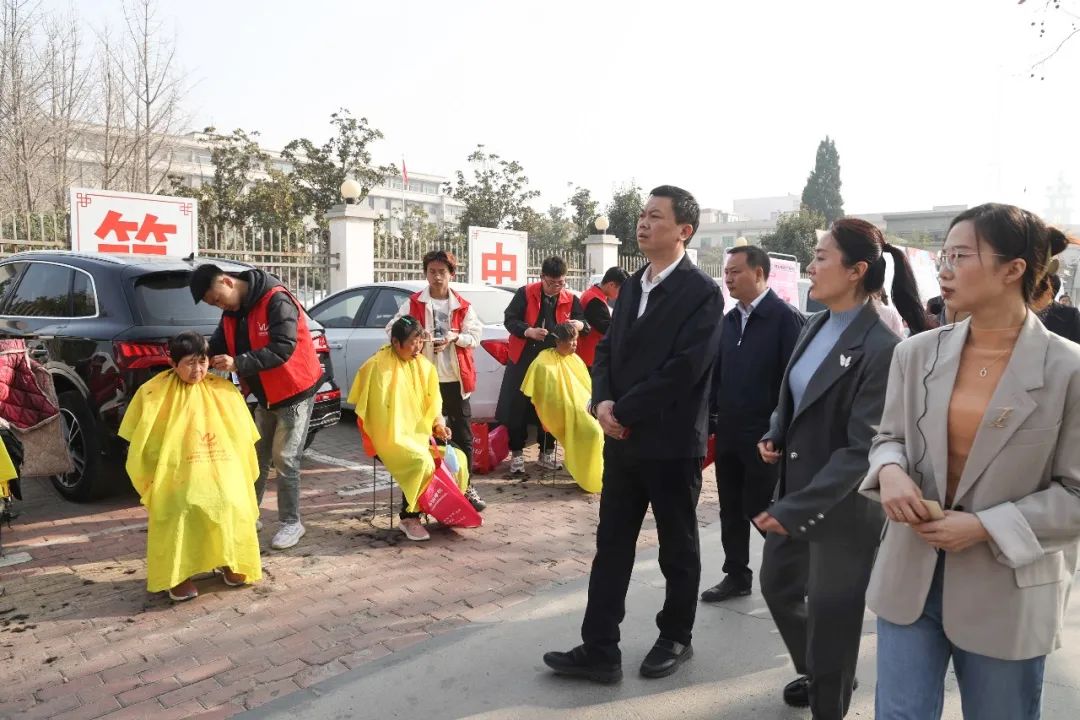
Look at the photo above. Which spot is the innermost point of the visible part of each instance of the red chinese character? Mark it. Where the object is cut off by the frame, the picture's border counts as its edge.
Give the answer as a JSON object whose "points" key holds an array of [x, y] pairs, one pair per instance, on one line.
{"points": [[498, 266], [115, 224]]}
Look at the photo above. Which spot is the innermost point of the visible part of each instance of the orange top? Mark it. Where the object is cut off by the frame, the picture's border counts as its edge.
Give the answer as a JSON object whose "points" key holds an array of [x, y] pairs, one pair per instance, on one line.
{"points": [[982, 363]]}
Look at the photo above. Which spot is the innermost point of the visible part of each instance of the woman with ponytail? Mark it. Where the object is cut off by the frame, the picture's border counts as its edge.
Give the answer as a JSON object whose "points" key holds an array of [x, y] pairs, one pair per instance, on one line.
{"points": [[822, 535], [977, 466]]}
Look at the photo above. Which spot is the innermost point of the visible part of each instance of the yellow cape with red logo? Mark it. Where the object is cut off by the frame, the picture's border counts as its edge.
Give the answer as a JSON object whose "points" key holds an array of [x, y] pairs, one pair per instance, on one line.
{"points": [[192, 460], [560, 389], [396, 403], [7, 471]]}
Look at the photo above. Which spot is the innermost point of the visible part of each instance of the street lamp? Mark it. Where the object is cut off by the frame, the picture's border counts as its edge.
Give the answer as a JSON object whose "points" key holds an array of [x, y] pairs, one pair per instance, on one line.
{"points": [[740, 242], [351, 190], [602, 224]]}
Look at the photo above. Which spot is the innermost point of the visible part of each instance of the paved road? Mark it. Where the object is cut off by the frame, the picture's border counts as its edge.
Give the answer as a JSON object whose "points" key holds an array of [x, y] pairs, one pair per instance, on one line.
{"points": [[492, 670]]}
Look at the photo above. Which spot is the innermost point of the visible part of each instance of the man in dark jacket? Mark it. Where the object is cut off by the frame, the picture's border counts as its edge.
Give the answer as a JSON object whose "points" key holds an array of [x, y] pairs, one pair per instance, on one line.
{"points": [[755, 346], [650, 393], [263, 337]]}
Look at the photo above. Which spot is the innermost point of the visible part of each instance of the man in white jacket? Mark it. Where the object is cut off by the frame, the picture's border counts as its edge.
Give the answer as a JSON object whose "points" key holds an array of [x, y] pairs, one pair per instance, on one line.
{"points": [[454, 329]]}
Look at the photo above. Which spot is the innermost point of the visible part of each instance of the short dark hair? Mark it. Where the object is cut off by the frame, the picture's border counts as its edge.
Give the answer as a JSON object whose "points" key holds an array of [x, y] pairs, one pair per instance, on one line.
{"points": [[186, 344], [553, 267], [687, 210], [616, 275], [404, 328], [1055, 284], [755, 257], [565, 332], [202, 277], [935, 305], [443, 256]]}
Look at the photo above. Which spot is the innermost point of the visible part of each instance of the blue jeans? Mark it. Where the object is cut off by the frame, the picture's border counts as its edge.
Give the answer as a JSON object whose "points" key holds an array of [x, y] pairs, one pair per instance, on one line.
{"points": [[283, 433], [912, 661]]}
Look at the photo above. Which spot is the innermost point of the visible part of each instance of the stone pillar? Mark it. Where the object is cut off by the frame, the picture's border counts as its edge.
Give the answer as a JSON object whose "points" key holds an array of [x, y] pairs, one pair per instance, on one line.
{"points": [[601, 253], [352, 246]]}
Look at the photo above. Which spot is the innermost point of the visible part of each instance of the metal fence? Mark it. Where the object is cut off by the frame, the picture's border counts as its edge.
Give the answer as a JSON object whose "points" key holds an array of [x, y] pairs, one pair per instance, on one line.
{"points": [[577, 275], [632, 263], [398, 259]]}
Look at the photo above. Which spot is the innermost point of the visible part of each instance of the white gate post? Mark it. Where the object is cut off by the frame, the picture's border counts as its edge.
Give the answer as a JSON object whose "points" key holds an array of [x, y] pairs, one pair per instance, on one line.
{"points": [[601, 253], [352, 246]]}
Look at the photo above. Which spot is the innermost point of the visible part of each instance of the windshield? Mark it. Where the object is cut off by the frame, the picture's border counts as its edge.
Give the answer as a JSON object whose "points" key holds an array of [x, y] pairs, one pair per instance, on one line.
{"points": [[490, 305], [164, 299]]}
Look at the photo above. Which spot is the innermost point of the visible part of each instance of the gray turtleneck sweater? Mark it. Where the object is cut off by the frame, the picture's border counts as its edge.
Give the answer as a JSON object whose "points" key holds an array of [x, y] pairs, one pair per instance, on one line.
{"points": [[818, 348]]}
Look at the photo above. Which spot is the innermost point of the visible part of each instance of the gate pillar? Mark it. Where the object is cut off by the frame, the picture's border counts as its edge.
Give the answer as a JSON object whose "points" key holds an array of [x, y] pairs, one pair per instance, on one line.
{"points": [[352, 246]]}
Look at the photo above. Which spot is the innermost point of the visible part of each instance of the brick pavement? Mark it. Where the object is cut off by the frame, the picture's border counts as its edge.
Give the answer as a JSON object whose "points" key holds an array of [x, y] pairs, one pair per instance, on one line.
{"points": [[81, 638]]}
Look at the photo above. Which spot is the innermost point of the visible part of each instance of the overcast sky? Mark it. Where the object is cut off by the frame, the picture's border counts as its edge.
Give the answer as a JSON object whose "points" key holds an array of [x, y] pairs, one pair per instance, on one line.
{"points": [[929, 101]]}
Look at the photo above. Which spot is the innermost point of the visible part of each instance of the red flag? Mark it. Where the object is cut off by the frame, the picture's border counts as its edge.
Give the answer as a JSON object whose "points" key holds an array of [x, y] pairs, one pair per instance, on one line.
{"points": [[404, 172]]}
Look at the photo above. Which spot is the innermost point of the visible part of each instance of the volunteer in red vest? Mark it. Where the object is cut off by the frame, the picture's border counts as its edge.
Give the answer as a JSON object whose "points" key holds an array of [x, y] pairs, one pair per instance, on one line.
{"points": [[597, 312], [263, 337], [454, 329], [531, 317]]}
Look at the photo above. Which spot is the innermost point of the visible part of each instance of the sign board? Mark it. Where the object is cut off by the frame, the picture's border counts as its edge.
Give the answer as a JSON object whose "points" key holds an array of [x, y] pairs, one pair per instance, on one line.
{"points": [[783, 280], [498, 257], [125, 223]]}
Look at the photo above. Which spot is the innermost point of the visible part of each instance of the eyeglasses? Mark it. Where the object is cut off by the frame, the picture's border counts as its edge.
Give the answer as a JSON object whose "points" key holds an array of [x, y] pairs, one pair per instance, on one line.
{"points": [[949, 260]]}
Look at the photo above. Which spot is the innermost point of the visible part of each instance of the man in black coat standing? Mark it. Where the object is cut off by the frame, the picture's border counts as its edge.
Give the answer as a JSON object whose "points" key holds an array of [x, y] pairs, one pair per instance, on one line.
{"points": [[755, 346], [650, 392]]}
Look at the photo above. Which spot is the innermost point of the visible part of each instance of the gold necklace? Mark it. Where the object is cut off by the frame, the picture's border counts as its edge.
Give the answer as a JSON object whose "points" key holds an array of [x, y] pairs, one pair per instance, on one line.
{"points": [[986, 368]]}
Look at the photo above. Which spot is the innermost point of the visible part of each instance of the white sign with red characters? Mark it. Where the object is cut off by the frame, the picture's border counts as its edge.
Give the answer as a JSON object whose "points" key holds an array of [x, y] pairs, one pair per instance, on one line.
{"points": [[126, 223], [498, 257]]}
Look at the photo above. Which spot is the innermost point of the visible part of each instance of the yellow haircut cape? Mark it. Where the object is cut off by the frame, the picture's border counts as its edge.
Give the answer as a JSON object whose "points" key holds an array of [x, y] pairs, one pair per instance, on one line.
{"points": [[397, 401], [7, 471], [192, 460], [560, 389]]}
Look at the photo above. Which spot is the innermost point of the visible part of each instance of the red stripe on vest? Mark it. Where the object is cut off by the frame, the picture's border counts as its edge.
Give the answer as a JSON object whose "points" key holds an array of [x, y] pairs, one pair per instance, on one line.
{"points": [[586, 344], [300, 372], [532, 313], [466, 365]]}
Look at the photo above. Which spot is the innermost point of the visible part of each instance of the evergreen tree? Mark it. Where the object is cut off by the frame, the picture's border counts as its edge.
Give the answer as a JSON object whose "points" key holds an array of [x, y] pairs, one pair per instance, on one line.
{"points": [[822, 191]]}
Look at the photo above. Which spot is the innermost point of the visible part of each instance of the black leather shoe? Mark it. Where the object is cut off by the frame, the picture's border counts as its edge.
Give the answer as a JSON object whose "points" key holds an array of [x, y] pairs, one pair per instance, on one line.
{"points": [[665, 658], [576, 663], [729, 587], [797, 692]]}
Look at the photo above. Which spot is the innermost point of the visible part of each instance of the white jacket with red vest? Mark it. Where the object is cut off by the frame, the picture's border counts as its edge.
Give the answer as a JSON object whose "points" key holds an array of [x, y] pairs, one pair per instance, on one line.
{"points": [[470, 332]]}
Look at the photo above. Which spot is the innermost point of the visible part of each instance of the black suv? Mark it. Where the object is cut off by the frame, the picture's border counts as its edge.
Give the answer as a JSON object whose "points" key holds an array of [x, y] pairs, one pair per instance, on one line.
{"points": [[100, 324]]}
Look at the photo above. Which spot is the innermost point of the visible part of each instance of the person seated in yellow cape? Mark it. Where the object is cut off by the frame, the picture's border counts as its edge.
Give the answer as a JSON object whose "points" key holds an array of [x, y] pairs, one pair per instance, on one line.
{"points": [[7, 473], [192, 460], [398, 409], [558, 383]]}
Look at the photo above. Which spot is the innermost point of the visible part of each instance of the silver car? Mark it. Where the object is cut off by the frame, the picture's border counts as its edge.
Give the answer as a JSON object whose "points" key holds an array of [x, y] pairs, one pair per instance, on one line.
{"points": [[355, 324]]}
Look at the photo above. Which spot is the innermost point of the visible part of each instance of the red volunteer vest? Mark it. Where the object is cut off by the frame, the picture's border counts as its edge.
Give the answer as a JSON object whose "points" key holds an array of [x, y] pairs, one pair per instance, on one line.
{"points": [[586, 344], [532, 312], [466, 366], [300, 372]]}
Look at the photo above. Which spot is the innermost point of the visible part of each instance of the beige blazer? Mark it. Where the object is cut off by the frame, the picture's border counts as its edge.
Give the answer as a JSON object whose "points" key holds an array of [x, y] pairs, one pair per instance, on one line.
{"points": [[1005, 598]]}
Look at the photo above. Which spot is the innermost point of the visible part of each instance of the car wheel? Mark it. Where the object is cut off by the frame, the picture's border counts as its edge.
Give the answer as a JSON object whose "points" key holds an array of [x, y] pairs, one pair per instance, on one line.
{"points": [[84, 481]]}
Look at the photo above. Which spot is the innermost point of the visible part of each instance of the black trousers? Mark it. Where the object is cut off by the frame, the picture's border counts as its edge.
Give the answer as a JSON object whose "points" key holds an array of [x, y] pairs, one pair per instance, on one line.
{"points": [[745, 485], [631, 484], [458, 414], [518, 433], [816, 592]]}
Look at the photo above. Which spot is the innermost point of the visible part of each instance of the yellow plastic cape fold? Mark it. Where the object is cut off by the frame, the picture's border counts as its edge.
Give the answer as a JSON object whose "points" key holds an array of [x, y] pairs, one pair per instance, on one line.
{"points": [[560, 389], [397, 401], [192, 460], [7, 471]]}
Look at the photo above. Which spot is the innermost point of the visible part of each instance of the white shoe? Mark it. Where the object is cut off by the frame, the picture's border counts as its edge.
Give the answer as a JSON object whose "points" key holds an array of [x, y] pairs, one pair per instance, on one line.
{"points": [[287, 536], [517, 465], [414, 529], [258, 526], [549, 461]]}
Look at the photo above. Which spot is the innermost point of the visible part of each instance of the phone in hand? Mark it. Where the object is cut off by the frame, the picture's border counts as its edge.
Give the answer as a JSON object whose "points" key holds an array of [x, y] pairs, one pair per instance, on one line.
{"points": [[934, 508]]}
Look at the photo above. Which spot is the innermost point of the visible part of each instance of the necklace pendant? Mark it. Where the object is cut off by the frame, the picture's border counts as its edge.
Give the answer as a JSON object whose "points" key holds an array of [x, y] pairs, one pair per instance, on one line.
{"points": [[983, 373]]}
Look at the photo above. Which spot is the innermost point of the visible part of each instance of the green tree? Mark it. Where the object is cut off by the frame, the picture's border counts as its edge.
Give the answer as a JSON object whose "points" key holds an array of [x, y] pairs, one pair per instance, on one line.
{"points": [[623, 212], [795, 234], [822, 191], [223, 199], [550, 231], [319, 170], [585, 212], [276, 201], [498, 194]]}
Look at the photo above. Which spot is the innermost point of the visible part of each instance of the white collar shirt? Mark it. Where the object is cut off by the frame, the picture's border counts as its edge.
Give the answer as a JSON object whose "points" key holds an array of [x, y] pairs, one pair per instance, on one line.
{"points": [[647, 286]]}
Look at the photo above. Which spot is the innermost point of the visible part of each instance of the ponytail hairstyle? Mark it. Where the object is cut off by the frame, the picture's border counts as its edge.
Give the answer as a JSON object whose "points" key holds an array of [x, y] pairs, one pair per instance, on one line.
{"points": [[861, 241], [404, 328], [1015, 233]]}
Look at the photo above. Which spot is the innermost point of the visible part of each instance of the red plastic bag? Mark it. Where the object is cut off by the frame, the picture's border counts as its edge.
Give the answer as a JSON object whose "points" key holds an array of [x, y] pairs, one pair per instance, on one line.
{"points": [[489, 447], [499, 442], [443, 501], [710, 452]]}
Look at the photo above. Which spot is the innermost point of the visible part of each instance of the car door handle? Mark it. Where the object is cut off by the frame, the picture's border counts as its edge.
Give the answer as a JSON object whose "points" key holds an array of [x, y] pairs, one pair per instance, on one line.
{"points": [[337, 346]]}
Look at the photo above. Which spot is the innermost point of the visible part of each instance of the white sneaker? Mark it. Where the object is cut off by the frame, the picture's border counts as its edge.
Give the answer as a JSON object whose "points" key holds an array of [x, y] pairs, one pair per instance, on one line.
{"points": [[414, 529], [517, 465], [258, 526], [549, 461], [287, 536]]}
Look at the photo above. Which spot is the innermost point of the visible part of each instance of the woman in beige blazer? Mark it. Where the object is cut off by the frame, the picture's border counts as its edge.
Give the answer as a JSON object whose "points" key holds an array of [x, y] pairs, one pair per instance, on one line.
{"points": [[981, 419]]}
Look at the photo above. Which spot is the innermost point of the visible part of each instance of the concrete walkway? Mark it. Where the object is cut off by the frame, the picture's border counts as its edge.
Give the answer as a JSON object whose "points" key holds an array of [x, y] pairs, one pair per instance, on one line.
{"points": [[492, 670]]}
